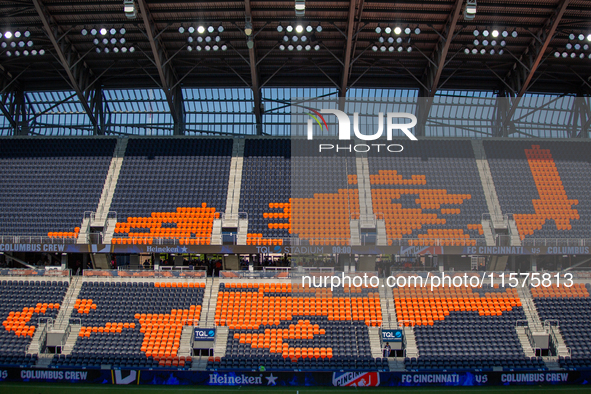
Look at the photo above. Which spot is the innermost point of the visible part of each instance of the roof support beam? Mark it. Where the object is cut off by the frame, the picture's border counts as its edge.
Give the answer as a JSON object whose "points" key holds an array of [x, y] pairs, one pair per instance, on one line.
{"points": [[435, 67], [254, 77], [523, 71], [348, 47], [76, 70], [165, 72]]}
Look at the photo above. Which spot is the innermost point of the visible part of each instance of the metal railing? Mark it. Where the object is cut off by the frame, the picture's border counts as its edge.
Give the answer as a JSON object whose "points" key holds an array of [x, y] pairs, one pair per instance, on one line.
{"points": [[43, 337], [573, 242], [68, 299]]}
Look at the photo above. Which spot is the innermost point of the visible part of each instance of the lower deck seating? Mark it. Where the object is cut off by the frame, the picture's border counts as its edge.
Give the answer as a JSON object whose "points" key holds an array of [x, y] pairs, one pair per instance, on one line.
{"points": [[473, 327], [571, 307], [23, 304], [133, 324], [282, 327]]}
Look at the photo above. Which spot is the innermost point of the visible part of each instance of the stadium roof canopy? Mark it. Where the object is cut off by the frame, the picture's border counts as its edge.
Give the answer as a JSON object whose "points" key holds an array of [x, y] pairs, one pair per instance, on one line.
{"points": [[85, 67]]}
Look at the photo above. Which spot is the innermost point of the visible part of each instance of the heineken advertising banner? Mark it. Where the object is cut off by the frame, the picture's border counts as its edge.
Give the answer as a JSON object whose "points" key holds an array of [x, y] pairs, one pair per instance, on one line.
{"points": [[341, 379]]}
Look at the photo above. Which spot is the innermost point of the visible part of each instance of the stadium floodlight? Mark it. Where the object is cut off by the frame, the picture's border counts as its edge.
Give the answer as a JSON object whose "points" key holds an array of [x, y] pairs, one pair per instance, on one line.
{"points": [[29, 43], [514, 34], [316, 47], [300, 7], [299, 47], [26, 53], [122, 40], [505, 33], [564, 54], [3, 45], [304, 38], [383, 48], [571, 36], [309, 29], [249, 43], [17, 34], [581, 37], [582, 56], [113, 41], [382, 39], [388, 30], [198, 48], [190, 39], [42, 52], [279, 28], [573, 55], [476, 32], [84, 32], [289, 28], [181, 29], [116, 49], [122, 31], [485, 33], [397, 30], [391, 49], [210, 29], [493, 43], [13, 44], [285, 38], [374, 48], [191, 29], [590, 56], [8, 35], [474, 51], [495, 33], [17, 53], [201, 29], [467, 51], [103, 32], [129, 9], [501, 51], [207, 48], [409, 49], [308, 47], [503, 43], [106, 49], [476, 42], [294, 38], [290, 47], [569, 46], [124, 49], [391, 40], [589, 37], [282, 47], [484, 42], [8, 53], [105, 41], [248, 26], [27, 34], [113, 31], [483, 51], [132, 49], [21, 44], [224, 47], [218, 39], [220, 29], [319, 29], [207, 39], [299, 29], [417, 31], [378, 30], [492, 51], [407, 30], [470, 9], [215, 48], [586, 47], [93, 32], [34, 52], [399, 40], [400, 49]]}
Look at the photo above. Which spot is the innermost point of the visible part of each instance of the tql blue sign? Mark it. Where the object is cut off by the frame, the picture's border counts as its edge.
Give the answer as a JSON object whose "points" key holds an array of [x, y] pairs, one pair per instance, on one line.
{"points": [[392, 335], [204, 334]]}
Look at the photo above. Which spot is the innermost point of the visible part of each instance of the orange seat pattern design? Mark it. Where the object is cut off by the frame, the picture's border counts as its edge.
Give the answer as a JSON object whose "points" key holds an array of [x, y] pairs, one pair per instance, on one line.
{"points": [[553, 203], [251, 309], [578, 290], [421, 306], [62, 234], [17, 321], [192, 225]]}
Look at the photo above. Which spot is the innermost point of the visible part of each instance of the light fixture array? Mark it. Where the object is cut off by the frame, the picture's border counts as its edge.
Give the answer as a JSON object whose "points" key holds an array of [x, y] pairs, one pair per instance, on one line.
{"points": [[394, 38], [578, 46], [18, 44], [299, 37], [108, 40], [489, 42], [204, 37]]}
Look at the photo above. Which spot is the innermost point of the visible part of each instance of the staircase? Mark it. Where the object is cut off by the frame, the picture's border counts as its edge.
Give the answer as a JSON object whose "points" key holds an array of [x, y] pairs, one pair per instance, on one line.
{"points": [[515, 239], [552, 364], [375, 342], [63, 318], [72, 338], [488, 185], [411, 343], [44, 360], [207, 318], [488, 233], [529, 308], [185, 347], [389, 320], [40, 334], [524, 340], [221, 341], [355, 237]]}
